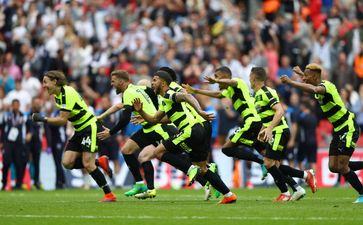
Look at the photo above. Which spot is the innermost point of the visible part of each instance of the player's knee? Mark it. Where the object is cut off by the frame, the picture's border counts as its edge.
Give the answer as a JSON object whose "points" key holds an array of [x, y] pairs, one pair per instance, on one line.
{"points": [[268, 163], [343, 169], [67, 164], [333, 168], [127, 151]]}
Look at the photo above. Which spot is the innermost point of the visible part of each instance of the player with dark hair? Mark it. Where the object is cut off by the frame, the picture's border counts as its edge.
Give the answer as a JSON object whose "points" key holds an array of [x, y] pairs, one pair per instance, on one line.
{"points": [[276, 134], [191, 136], [206, 124], [150, 134], [243, 103]]}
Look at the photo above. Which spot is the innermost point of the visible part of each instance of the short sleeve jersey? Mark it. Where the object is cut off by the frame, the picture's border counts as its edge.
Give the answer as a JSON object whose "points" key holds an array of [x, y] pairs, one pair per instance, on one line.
{"points": [[265, 99], [177, 112], [242, 101], [333, 107], [177, 88], [146, 96], [71, 101]]}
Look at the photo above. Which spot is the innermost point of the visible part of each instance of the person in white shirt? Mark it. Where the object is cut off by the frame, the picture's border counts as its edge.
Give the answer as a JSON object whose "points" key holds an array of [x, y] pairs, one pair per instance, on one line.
{"points": [[19, 94], [29, 83]]}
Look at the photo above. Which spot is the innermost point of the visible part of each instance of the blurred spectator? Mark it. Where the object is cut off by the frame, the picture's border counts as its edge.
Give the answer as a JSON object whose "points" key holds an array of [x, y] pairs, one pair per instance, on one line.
{"points": [[10, 67], [284, 69], [321, 48], [6, 81], [230, 60], [307, 147], [124, 64], [14, 128], [33, 141], [56, 139], [110, 146], [357, 108], [342, 73], [192, 71], [29, 83], [344, 94], [292, 115], [358, 66], [245, 69], [21, 95]]}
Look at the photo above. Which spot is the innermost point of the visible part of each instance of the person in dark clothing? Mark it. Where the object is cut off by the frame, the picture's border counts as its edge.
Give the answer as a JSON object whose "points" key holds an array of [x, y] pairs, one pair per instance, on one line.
{"points": [[307, 148], [14, 128], [33, 141], [56, 138]]}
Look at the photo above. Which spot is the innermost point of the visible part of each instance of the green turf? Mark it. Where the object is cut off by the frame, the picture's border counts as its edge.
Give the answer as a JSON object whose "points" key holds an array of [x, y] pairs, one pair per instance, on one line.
{"points": [[327, 206]]}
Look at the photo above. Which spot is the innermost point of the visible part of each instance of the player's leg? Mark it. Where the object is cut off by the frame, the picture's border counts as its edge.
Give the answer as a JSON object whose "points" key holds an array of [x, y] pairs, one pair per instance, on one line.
{"points": [[198, 155], [340, 150], [89, 146], [245, 135]]}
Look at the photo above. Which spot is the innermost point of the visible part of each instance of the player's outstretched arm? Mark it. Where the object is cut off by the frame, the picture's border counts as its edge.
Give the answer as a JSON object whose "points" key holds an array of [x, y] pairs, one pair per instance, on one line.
{"points": [[138, 107], [60, 120], [228, 82], [303, 86], [110, 111], [182, 97], [213, 94], [124, 120]]}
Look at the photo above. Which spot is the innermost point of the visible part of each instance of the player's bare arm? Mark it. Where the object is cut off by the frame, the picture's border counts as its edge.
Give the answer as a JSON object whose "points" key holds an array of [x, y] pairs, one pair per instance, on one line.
{"points": [[60, 120], [148, 118], [181, 97], [303, 86], [213, 94], [110, 111], [228, 82]]}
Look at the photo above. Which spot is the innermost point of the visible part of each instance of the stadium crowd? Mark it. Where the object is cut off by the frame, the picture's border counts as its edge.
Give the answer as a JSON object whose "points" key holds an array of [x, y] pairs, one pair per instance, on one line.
{"points": [[87, 39]]}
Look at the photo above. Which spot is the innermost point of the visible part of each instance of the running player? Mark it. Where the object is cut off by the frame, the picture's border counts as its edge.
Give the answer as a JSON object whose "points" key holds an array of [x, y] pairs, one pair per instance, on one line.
{"points": [[81, 149], [275, 132], [174, 86], [244, 105], [150, 134], [191, 136], [346, 131]]}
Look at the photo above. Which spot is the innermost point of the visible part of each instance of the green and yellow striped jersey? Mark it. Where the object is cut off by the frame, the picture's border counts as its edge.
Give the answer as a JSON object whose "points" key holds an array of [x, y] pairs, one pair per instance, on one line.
{"points": [[242, 101], [177, 112], [71, 101], [146, 96], [177, 88], [333, 107], [265, 99]]}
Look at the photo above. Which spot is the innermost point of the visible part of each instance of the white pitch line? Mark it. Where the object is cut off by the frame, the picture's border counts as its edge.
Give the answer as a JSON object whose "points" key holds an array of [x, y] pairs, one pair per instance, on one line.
{"points": [[187, 217]]}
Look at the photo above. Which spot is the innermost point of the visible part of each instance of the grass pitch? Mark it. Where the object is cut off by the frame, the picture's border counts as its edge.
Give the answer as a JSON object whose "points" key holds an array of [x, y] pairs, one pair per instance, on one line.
{"points": [[66, 207]]}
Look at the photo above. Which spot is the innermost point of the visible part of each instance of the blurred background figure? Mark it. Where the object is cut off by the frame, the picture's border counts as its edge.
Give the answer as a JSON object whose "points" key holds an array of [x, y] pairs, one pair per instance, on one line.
{"points": [[14, 129], [56, 138], [307, 144], [33, 141]]}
